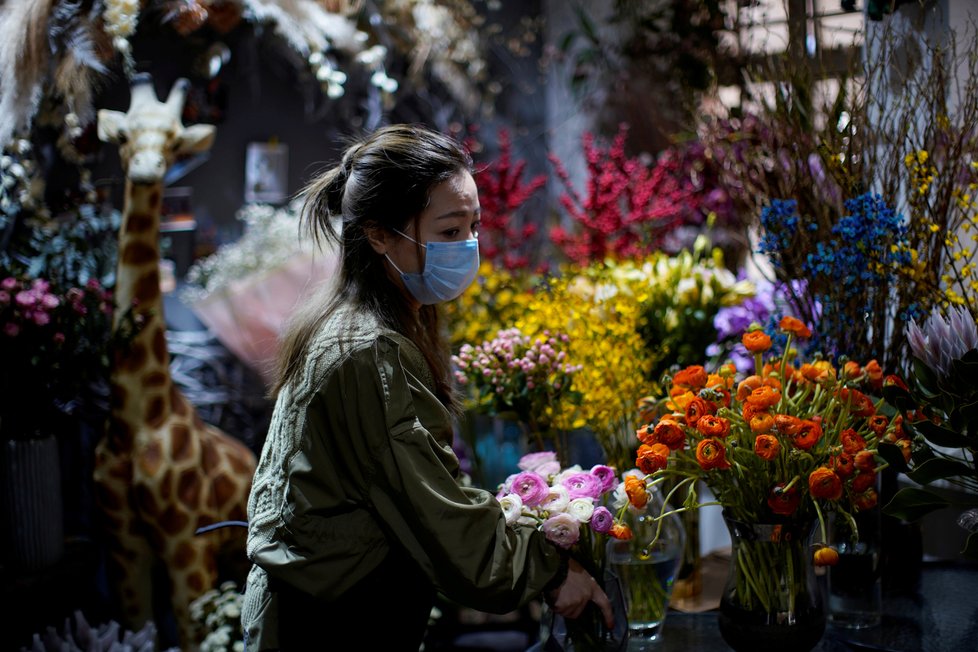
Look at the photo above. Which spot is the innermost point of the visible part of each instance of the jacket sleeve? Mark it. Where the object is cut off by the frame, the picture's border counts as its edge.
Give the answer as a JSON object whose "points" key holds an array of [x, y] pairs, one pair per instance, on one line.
{"points": [[458, 536]]}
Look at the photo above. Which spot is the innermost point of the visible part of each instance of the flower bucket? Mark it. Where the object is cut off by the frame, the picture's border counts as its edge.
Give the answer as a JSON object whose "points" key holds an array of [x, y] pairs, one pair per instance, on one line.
{"points": [[32, 525]]}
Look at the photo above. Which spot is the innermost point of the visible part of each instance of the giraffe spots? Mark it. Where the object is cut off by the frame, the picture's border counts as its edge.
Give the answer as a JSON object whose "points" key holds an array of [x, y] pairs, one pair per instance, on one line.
{"points": [[151, 458], [166, 483], [180, 443], [241, 463], [154, 379], [140, 223], [184, 555], [132, 359], [223, 489], [196, 582], [138, 254], [238, 512], [118, 393], [188, 488], [108, 500], [178, 403], [172, 520], [209, 454], [147, 286], [154, 199], [155, 413], [159, 344], [145, 501]]}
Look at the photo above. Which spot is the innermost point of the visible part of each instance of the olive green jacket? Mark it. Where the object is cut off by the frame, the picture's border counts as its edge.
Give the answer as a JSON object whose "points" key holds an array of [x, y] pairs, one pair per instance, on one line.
{"points": [[358, 455]]}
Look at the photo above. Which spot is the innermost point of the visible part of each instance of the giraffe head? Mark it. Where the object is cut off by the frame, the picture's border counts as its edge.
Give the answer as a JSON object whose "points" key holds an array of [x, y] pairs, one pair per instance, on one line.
{"points": [[150, 135]]}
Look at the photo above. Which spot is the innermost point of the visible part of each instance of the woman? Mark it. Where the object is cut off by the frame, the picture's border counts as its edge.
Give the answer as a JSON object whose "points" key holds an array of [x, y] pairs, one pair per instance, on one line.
{"points": [[355, 515]]}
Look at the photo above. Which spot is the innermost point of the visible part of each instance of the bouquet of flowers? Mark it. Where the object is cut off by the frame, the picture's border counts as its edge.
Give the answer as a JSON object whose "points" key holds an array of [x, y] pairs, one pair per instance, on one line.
{"points": [[941, 410], [785, 445], [55, 345], [513, 374], [571, 507]]}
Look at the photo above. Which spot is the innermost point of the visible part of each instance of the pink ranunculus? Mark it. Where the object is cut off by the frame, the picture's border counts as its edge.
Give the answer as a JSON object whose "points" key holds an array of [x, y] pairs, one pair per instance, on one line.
{"points": [[11, 329], [8, 283], [548, 469], [583, 485], [562, 530], [607, 476], [531, 461], [602, 520], [25, 298], [531, 488]]}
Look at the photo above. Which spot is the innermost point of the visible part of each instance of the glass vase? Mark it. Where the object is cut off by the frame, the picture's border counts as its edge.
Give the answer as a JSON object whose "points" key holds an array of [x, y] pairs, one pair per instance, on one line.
{"points": [[645, 567], [771, 601]]}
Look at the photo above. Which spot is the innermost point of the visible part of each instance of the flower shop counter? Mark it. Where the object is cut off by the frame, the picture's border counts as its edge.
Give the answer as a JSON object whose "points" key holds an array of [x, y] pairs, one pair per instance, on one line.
{"points": [[941, 615]]}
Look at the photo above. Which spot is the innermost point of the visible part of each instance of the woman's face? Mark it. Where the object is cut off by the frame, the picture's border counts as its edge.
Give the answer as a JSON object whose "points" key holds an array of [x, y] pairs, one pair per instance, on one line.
{"points": [[452, 215]]}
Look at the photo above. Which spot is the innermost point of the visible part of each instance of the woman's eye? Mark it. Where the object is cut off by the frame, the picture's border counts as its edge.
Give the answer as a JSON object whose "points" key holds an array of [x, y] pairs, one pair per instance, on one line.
{"points": [[450, 233]]}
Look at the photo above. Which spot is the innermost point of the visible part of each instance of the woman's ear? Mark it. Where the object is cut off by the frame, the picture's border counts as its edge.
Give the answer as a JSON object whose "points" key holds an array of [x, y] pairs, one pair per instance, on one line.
{"points": [[378, 237]]}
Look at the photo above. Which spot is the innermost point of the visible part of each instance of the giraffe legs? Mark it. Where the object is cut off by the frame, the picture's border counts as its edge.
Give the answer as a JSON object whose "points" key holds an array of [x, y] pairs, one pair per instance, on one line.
{"points": [[192, 567]]}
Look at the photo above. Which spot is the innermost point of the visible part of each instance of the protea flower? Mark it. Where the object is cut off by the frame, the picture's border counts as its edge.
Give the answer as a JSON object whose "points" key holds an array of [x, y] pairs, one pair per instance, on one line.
{"points": [[943, 340]]}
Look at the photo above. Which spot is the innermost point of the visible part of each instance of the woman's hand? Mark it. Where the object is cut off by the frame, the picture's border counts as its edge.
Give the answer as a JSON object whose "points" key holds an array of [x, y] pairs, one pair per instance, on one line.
{"points": [[570, 598]]}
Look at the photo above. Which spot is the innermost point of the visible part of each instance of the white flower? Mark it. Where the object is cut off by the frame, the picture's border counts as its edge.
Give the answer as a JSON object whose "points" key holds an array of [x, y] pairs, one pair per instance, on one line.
{"points": [[581, 509], [512, 506], [557, 500], [571, 470]]}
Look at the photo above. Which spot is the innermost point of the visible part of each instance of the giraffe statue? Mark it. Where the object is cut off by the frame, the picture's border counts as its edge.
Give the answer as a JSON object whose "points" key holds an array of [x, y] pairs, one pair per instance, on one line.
{"points": [[160, 472]]}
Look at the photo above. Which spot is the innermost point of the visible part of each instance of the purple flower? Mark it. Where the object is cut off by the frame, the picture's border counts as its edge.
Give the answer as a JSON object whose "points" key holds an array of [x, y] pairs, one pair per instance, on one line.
{"points": [[531, 488], [583, 485], [562, 530], [602, 520], [606, 475], [533, 461]]}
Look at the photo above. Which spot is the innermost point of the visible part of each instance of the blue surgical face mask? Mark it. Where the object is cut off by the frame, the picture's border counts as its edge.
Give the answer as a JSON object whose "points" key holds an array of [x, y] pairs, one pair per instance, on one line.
{"points": [[449, 269]]}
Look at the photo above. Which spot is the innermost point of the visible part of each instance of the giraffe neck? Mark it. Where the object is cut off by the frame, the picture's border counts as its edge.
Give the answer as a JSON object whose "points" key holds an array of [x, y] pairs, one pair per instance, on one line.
{"points": [[142, 397]]}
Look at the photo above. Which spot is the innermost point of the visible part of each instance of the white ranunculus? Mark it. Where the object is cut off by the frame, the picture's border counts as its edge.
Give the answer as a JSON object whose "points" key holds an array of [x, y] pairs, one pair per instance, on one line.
{"points": [[557, 500], [581, 509], [569, 471], [512, 506]]}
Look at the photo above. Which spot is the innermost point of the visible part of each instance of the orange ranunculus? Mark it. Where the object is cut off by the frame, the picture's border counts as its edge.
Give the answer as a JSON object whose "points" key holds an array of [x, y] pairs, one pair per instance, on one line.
{"points": [[761, 423], [863, 481], [772, 382], [895, 381], [843, 465], [635, 489], [650, 459], [783, 502], [795, 326], [711, 454], [767, 447], [860, 405], [644, 434], [816, 372], [787, 424], [878, 423], [824, 483], [756, 341], [670, 433], [808, 434], [750, 411], [680, 400], [724, 380], [692, 377], [866, 500], [898, 431], [697, 408], [874, 374], [826, 556], [865, 460], [852, 442], [713, 426], [851, 370], [905, 447], [620, 531], [764, 397], [647, 408], [748, 385]]}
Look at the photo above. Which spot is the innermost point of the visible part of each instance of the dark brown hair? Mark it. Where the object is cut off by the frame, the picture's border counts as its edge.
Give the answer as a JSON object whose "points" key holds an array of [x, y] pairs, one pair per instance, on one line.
{"points": [[385, 181]]}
